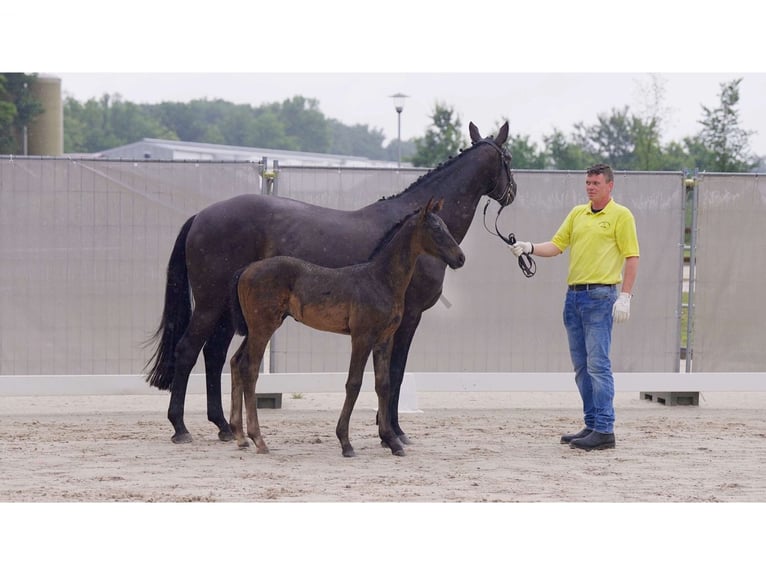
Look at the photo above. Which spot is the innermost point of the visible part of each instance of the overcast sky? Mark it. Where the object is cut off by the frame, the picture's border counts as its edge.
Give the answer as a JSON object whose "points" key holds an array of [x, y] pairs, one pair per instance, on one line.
{"points": [[544, 66], [535, 104]]}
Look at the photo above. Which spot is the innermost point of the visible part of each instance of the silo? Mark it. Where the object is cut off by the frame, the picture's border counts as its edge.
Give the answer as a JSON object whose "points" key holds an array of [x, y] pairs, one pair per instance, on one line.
{"points": [[45, 135]]}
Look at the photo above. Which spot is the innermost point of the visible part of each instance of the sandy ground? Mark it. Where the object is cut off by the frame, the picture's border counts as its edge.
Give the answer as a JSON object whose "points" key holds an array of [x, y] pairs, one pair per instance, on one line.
{"points": [[466, 447]]}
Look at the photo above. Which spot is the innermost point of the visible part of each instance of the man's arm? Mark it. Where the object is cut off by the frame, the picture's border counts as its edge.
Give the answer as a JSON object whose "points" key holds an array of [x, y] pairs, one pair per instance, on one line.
{"points": [[547, 249], [629, 276]]}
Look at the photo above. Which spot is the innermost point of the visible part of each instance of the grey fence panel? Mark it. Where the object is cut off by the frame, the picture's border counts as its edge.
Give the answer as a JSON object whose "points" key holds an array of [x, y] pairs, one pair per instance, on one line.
{"points": [[492, 318], [344, 188], [729, 314], [296, 348], [84, 246], [513, 323]]}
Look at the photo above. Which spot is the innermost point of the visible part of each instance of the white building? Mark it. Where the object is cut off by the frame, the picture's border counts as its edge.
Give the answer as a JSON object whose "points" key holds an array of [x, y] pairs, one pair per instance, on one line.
{"points": [[171, 150]]}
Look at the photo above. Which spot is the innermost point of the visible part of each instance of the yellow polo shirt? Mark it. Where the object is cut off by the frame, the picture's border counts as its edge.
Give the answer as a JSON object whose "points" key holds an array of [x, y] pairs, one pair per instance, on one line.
{"points": [[598, 242]]}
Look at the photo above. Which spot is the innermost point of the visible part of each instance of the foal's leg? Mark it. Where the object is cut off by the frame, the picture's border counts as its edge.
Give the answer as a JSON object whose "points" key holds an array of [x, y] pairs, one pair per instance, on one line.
{"points": [[256, 346], [381, 358], [238, 373], [360, 352]]}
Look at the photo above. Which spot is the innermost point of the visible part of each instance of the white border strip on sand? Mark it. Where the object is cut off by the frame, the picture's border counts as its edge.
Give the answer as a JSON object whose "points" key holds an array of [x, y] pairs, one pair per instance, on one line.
{"points": [[33, 385]]}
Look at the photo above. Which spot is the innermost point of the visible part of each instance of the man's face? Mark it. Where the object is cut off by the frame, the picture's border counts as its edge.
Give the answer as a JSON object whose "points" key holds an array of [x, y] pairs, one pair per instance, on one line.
{"points": [[599, 191]]}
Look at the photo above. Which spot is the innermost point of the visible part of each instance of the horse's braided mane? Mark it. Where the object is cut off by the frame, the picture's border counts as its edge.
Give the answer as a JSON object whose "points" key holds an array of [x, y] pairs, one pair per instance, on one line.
{"points": [[390, 234], [429, 174]]}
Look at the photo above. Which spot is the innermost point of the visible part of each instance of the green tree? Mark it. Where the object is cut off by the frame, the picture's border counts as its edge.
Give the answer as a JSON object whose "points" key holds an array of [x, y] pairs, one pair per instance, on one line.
{"points": [[7, 118], [610, 139], [726, 142], [442, 139], [268, 130], [647, 149], [18, 108], [525, 153], [391, 151], [238, 125], [564, 153], [358, 140], [195, 121], [107, 123], [647, 125], [305, 127], [677, 156]]}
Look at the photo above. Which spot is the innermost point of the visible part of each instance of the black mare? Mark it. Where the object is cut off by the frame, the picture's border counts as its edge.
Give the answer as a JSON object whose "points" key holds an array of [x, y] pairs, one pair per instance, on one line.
{"points": [[228, 235]]}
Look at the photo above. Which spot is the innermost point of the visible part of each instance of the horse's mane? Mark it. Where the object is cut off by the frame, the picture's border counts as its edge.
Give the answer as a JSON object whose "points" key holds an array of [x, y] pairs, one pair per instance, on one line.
{"points": [[432, 172], [390, 234]]}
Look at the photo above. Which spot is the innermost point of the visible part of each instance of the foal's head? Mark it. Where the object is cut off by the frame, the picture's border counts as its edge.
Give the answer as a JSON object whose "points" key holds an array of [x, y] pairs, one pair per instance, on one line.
{"points": [[436, 238]]}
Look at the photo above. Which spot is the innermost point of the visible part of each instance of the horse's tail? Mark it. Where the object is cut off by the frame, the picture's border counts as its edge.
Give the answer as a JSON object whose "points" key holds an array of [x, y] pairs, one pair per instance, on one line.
{"points": [[237, 317], [175, 315]]}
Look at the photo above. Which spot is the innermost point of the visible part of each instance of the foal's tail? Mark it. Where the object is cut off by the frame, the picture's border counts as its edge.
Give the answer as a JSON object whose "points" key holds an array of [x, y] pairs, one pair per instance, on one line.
{"points": [[237, 317], [175, 315]]}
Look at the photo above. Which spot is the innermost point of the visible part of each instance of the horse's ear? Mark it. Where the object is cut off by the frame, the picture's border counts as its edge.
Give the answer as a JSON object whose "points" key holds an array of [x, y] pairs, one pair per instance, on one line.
{"points": [[438, 205], [474, 131], [428, 208], [502, 135]]}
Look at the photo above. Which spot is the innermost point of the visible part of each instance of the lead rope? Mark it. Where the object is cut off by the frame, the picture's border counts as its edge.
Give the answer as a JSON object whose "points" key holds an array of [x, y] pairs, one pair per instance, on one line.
{"points": [[526, 263]]}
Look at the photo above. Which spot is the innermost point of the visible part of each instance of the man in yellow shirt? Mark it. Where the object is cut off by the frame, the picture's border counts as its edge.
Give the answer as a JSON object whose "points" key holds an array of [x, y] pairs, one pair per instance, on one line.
{"points": [[602, 240]]}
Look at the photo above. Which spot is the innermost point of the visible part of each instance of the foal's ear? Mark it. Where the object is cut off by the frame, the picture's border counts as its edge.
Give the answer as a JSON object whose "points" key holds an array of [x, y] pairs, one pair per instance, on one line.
{"points": [[428, 208], [433, 206]]}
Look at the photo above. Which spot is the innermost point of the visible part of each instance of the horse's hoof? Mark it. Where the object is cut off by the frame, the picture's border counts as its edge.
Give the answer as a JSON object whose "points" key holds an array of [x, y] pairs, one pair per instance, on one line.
{"points": [[180, 438], [225, 436], [262, 450], [399, 452], [244, 445], [349, 453], [403, 438]]}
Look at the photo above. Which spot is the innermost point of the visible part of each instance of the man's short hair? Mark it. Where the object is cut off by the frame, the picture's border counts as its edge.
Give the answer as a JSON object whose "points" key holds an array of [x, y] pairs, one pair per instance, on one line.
{"points": [[602, 169]]}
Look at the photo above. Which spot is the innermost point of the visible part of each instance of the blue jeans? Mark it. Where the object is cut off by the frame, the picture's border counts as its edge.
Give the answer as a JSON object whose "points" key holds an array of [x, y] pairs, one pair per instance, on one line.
{"points": [[588, 321]]}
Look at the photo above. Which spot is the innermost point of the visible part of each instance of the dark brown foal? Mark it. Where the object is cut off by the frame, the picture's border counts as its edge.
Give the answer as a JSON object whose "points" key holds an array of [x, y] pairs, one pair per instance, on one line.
{"points": [[365, 301]]}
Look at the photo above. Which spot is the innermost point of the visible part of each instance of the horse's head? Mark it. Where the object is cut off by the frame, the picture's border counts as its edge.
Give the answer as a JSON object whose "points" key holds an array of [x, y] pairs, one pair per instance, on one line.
{"points": [[504, 191], [437, 239]]}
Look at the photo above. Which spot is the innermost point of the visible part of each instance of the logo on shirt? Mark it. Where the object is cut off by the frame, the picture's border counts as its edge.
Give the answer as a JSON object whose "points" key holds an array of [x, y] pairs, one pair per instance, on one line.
{"points": [[604, 225]]}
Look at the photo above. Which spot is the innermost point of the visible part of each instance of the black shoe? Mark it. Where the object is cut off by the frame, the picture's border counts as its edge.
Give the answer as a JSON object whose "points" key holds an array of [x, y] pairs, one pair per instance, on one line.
{"points": [[567, 438], [594, 441]]}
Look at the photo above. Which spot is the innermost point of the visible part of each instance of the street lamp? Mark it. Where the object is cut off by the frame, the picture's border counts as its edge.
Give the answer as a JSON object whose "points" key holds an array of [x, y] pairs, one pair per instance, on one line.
{"points": [[399, 106]]}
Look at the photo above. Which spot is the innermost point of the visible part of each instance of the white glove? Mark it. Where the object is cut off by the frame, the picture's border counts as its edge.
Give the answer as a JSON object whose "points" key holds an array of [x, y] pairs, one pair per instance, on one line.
{"points": [[521, 247], [621, 308]]}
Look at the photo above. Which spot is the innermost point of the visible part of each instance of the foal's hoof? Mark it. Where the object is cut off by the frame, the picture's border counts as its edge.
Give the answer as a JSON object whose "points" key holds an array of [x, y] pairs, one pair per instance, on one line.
{"points": [[180, 438], [225, 436]]}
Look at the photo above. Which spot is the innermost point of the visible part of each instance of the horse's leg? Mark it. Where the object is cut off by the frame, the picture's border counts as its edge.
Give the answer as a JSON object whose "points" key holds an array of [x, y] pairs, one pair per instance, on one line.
{"points": [[401, 349], [186, 352], [381, 357], [238, 374], [256, 346], [360, 352], [215, 357]]}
